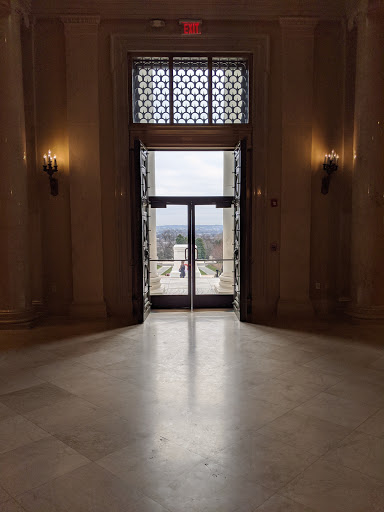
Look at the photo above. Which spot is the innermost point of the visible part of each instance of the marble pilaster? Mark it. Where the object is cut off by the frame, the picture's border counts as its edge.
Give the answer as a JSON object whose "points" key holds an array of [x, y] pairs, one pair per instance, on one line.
{"points": [[297, 101], [15, 287], [155, 280], [226, 281], [367, 269], [81, 39]]}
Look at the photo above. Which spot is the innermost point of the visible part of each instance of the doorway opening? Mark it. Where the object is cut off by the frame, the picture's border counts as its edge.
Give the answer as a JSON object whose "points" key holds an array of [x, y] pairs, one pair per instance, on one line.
{"points": [[191, 229], [190, 219]]}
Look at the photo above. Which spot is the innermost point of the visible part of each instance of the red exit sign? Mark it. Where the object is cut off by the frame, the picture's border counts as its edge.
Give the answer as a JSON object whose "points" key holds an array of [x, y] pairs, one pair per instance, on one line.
{"points": [[191, 27]]}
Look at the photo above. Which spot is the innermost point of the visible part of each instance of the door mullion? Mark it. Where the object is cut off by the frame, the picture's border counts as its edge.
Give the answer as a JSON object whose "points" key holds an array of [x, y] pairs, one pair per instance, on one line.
{"points": [[210, 106], [192, 253], [171, 118]]}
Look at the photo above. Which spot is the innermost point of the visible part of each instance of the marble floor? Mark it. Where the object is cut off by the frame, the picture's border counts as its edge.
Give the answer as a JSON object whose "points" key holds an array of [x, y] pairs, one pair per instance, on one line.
{"points": [[192, 412]]}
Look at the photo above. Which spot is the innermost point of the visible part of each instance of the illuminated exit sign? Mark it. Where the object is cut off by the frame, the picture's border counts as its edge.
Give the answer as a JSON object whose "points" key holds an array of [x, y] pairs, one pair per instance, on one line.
{"points": [[191, 27]]}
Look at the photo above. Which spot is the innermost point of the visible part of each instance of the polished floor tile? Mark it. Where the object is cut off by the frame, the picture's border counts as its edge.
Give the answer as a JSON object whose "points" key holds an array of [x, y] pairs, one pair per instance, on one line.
{"points": [[269, 462], [289, 393], [33, 464], [374, 425], [89, 488], [208, 487], [17, 431], [6, 412], [339, 364], [81, 381], [11, 381], [280, 504], [4, 496], [361, 452], [203, 434], [360, 390], [34, 397], [147, 505], [151, 459], [327, 487], [348, 413], [128, 368], [263, 365], [192, 412], [305, 432], [69, 413], [304, 376], [294, 354], [11, 506], [24, 358], [61, 369], [249, 413], [100, 437], [101, 358]]}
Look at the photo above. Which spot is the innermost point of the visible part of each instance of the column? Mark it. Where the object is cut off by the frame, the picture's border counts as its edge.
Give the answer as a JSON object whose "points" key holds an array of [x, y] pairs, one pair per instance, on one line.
{"points": [[81, 39], [15, 294], [155, 280], [367, 267], [297, 99], [226, 282]]}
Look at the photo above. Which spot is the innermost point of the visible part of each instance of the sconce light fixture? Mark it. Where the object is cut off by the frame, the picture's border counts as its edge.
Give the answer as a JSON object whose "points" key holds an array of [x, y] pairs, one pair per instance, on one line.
{"points": [[50, 167], [330, 165]]}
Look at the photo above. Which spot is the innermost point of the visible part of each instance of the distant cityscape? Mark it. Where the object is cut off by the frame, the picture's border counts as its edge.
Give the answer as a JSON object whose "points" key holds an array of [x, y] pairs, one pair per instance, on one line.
{"points": [[213, 229], [209, 240]]}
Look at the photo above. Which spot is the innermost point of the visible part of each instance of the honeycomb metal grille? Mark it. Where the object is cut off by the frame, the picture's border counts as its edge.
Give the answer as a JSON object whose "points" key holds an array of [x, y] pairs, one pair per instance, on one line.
{"points": [[150, 80], [190, 90], [229, 90]]}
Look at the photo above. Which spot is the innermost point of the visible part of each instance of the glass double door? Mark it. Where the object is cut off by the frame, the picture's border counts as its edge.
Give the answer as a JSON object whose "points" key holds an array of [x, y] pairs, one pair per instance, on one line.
{"points": [[191, 252]]}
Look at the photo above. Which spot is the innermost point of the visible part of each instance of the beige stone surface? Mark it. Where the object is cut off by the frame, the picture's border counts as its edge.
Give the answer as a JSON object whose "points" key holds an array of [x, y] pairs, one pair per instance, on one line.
{"points": [[15, 292], [84, 161], [334, 488], [297, 104], [197, 417], [368, 184], [18, 431], [33, 464]]}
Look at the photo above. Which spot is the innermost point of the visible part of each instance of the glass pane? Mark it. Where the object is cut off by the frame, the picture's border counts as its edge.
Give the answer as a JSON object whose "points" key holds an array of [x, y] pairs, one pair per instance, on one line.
{"points": [[190, 173], [190, 90], [229, 90], [150, 90], [214, 250], [168, 253]]}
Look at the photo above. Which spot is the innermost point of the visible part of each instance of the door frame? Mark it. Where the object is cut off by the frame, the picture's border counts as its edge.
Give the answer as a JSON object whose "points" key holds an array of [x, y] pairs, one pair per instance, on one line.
{"points": [[219, 140], [202, 301], [189, 137]]}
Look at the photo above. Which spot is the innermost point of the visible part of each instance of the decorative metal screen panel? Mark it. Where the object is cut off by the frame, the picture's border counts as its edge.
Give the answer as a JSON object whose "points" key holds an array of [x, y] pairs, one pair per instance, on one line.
{"points": [[190, 90], [237, 230], [150, 85], [229, 90], [145, 227]]}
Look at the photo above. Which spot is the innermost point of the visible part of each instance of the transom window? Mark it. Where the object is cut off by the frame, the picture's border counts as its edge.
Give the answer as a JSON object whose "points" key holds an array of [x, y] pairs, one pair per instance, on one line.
{"points": [[190, 90]]}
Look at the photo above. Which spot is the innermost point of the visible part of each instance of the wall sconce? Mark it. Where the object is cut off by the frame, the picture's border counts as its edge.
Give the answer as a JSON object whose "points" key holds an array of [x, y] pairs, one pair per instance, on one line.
{"points": [[50, 170], [330, 165]]}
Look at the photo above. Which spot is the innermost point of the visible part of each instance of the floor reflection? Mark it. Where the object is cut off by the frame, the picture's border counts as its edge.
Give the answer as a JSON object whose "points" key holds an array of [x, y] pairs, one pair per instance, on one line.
{"points": [[192, 412]]}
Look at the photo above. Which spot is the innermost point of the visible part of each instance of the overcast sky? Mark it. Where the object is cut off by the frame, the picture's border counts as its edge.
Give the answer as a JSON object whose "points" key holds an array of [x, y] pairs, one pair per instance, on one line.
{"points": [[189, 173]]}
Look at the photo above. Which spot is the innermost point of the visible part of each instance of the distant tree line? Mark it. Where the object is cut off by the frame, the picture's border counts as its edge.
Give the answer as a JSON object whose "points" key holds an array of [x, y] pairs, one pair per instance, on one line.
{"points": [[208, 246]]}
